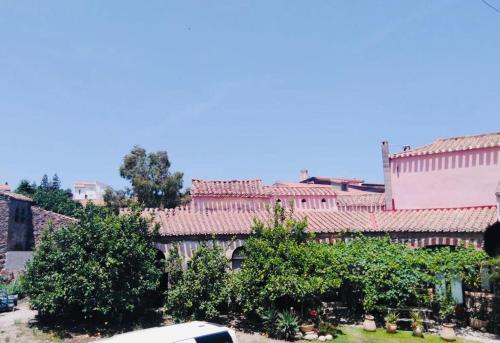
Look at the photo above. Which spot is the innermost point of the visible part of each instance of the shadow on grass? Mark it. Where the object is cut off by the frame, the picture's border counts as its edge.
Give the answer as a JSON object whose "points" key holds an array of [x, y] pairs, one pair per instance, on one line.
{"points": [[72, 328]]}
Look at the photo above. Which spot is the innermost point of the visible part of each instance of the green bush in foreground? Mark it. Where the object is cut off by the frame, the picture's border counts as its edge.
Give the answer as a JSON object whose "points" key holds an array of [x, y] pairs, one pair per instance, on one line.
{"points": [[100, 268], [201, 291]]}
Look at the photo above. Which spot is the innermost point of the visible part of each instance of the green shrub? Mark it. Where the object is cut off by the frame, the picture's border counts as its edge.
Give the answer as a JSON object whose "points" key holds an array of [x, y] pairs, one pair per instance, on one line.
{"points": [[287, 325], [201, 292], [283, 266], [15, 286], [101, 268], [327, 329], [269, 318]]}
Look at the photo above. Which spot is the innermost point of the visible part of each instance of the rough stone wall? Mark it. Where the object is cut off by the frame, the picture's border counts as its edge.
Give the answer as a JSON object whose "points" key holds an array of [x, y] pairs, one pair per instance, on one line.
{"points": [[41, 219], [4, 229], [24, 235]]}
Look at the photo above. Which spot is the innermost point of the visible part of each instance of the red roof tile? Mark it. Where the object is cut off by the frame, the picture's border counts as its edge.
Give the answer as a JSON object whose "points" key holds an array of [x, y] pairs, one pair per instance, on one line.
{"points": [[240, 188], [298, 191], [454, 144], [187, 222], [366, 199], [15, 196], [255, 188]]}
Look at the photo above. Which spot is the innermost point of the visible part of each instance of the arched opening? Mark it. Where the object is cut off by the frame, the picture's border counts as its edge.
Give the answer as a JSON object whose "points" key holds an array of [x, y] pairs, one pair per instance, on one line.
{"points": [[237, 258], [323, 200], [156, 297], [492, 240]]}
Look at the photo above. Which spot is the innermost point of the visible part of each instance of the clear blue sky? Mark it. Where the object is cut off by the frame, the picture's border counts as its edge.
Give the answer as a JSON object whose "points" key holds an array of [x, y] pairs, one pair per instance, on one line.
{"points": [[240, 89]]}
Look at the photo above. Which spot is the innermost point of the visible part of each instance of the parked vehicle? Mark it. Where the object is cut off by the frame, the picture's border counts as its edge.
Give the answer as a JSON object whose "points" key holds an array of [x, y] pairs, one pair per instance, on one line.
{"points": [[192, 332], [7, 303]]}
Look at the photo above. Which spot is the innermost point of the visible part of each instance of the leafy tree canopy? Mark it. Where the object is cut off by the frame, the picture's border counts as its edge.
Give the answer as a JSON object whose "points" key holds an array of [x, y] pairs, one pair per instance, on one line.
{"points": [[50, 196], [152, 182], [201, 291], [101, 268], [283, 265]]}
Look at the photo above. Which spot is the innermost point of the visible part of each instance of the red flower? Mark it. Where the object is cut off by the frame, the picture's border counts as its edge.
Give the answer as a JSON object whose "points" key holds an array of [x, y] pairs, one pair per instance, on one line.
{"points": [[313, 313]]}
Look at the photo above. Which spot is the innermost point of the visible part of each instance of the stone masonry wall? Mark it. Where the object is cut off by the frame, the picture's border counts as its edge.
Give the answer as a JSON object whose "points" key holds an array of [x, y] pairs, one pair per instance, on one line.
{"points": [[4, 229], [41, 219]]}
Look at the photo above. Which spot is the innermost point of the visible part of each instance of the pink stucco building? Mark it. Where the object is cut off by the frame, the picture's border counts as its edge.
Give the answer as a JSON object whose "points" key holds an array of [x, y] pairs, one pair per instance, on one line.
{"points": [[439, 194], [448, 173]]}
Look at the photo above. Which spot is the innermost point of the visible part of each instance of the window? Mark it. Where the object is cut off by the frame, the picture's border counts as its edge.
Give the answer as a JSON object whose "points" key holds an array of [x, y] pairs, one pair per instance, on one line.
{"points": [[237, 258], [20, 215], [219, 337], [303, 201], [323, 200]]}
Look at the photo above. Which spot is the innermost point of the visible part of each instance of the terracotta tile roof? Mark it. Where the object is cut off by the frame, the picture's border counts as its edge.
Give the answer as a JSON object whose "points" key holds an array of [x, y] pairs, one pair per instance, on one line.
{"points": [[301, 190], [240, 188], [294, 188], [15, 196], [187, 222], [366, 199], [454, 144]]}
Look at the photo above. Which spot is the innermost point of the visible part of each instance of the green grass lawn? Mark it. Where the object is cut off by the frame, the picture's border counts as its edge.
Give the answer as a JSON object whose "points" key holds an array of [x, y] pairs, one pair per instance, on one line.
{"points": [[354, 334]]}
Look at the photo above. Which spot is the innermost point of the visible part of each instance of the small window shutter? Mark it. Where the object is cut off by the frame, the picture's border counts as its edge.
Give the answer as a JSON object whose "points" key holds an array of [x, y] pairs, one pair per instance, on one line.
{"points": [[456, 290]]}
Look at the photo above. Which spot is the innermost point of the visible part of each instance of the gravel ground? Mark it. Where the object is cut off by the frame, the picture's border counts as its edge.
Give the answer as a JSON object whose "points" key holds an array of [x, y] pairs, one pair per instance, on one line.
{"points": [[15, 327]]}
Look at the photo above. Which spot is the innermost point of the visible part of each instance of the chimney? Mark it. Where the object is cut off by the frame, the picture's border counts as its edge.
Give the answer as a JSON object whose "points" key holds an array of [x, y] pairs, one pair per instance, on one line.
{"points": [[387, 176], [304, 175]]}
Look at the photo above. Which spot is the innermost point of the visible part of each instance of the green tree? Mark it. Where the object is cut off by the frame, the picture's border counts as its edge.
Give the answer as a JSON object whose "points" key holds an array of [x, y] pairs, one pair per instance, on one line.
{"points": [[115, 200], [152, 182], [45, 184], [100, 268], [173, 266], [56, 183], [283, 266], [26, 188], [50, 196], [56, 200], [378, 273], [202, 290]]}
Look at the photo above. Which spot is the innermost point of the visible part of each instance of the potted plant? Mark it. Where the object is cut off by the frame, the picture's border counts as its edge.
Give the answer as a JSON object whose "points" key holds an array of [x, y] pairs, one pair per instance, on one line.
{"points": [[391, 322], [446, 312], [417, 324], [369, 323], [308, 326]]}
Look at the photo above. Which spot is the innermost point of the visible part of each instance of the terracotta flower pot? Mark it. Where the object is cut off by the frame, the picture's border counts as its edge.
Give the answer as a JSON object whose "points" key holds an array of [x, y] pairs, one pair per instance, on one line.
{"points": [[418, 331], [369, 323], [448, 332], [478, 324], [306, 328], [391, 328]]}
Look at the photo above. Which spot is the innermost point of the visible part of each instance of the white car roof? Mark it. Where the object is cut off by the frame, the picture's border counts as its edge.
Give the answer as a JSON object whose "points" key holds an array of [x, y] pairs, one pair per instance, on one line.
{"points": [[168, 334]]}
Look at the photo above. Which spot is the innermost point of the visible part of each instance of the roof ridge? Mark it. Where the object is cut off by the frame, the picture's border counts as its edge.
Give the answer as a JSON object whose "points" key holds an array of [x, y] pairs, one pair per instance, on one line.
{"points": [[234, 180], [467, 136], [442, 208]]}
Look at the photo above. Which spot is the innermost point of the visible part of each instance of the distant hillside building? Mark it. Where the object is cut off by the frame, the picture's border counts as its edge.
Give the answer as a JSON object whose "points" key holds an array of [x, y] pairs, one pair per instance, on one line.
{"points": [[85, 191], [339, 183]]}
